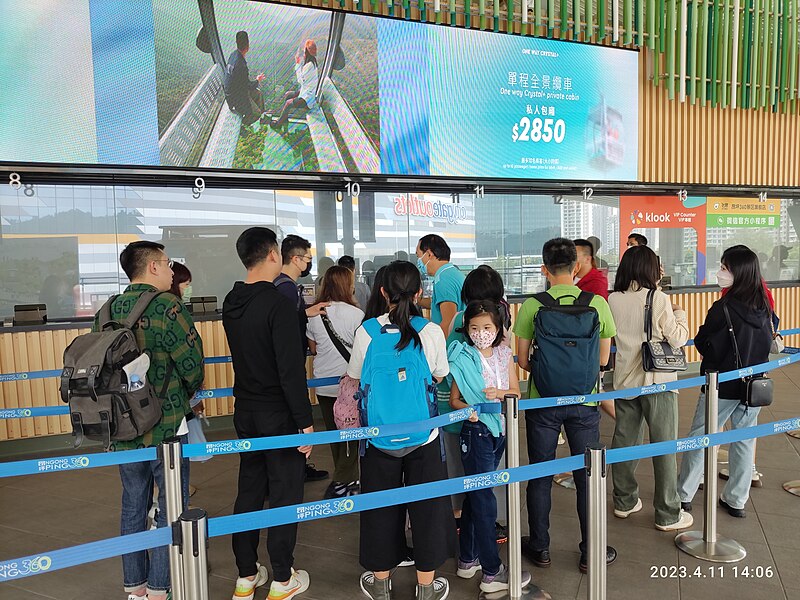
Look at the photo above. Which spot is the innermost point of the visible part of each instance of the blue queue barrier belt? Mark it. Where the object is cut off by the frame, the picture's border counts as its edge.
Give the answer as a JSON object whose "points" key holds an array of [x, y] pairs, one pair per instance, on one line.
{"points": [[67, 463], [218, 360], [219, 526]]}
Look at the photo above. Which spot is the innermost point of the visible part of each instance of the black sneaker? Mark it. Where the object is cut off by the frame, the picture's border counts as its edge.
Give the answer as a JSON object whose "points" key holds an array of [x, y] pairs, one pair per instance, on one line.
{"points": [[502, 533], [540, 558], [739, 513], [337, 489], [313, 474], [408, 561], [611, 556]]}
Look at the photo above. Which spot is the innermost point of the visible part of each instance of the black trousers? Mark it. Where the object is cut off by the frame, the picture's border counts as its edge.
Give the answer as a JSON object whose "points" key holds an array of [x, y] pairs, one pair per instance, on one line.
{"points": [[282, 473], [433, 528]]}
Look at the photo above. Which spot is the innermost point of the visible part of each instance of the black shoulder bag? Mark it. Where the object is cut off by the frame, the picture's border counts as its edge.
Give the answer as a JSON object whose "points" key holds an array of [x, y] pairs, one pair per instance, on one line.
{"points": [[659, 357], [757, 388], [337, 340]]}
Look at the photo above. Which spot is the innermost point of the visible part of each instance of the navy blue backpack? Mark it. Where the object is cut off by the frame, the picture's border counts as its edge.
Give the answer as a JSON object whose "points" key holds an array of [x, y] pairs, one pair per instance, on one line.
{"points": [[565, 354]]}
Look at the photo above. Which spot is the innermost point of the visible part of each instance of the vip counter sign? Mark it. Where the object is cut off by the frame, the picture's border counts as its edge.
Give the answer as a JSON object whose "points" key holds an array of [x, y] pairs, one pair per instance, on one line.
{"points": [[665, 212], [743, 212]]}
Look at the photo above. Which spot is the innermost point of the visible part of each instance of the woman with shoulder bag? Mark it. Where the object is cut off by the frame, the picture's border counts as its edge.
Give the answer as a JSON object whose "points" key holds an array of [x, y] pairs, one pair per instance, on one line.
{"points": [[644, 315], [330, 338], [737, 333]]}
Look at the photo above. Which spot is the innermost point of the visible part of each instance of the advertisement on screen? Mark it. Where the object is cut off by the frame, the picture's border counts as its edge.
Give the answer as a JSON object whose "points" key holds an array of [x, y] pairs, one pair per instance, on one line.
{"points": [[239, 85]]}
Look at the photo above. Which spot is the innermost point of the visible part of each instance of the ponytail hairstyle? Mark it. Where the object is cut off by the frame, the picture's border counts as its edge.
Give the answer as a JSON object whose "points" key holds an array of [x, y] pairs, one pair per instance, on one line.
{"points": [[401, 284]]}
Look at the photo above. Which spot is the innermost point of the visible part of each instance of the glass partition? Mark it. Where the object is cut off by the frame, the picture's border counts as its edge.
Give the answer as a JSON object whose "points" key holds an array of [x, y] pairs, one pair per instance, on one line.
{"points": [[59, 244]]}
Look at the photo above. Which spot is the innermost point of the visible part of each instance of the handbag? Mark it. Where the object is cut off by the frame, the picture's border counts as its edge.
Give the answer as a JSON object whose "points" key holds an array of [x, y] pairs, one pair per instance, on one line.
{"points": [[757, 388], [777, 345], [659, 356], [346, 414]]}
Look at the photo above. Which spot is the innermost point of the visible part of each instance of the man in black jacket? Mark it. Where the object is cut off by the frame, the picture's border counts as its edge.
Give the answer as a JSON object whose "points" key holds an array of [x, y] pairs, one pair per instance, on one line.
{"points": [[271, 400], [242, 94]]}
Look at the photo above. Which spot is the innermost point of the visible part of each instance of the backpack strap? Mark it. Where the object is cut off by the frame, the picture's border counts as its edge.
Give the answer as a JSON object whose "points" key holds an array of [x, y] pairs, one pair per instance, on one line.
{"points": [[419, 323], [105, 313], [584, 299], [372, 327], [546, 299], [139, 308]]}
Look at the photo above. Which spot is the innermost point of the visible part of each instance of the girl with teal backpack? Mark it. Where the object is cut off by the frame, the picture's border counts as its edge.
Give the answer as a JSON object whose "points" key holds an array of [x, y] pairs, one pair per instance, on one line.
{"points": [[397, 358]]}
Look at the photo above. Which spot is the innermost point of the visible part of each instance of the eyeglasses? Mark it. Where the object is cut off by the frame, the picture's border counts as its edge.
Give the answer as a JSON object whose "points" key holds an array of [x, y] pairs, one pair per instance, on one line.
{"points": [[305, 256], [169, 261]]}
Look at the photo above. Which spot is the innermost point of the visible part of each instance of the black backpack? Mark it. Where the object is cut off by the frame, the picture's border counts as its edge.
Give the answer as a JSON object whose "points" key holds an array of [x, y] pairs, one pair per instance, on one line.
{"points": [[102, 404], [565, 354]]}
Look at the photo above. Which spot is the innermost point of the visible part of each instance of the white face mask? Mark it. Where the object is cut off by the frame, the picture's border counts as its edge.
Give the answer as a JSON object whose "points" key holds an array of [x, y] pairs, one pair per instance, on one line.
{"points": [[724, 279], [482, 339]]}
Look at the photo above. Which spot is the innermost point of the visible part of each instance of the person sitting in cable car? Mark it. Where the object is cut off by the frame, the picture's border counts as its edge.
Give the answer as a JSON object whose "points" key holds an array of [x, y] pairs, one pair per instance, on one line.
{"points": [[307, 77]]}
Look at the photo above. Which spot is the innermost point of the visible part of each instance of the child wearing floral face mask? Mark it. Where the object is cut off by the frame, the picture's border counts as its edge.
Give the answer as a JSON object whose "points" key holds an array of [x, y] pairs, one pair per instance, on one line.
{"points": [[482, 371]]}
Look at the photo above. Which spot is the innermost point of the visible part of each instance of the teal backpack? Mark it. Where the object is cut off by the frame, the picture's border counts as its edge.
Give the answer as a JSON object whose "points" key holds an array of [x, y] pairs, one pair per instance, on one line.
{"points": [[396, 387]]}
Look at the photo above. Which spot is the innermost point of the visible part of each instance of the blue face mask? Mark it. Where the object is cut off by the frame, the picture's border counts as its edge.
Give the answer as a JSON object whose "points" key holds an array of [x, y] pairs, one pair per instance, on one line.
{"points": [[421, 266]]}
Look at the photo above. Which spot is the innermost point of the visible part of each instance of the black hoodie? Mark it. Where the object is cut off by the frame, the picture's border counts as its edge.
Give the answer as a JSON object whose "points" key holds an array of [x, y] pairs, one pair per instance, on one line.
{"points": [[753, 336], [261, 326]]}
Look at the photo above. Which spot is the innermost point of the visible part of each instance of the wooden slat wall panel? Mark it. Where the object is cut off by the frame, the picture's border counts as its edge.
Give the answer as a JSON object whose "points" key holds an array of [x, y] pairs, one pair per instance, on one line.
{"points": [[37, 350], [685, 143]]}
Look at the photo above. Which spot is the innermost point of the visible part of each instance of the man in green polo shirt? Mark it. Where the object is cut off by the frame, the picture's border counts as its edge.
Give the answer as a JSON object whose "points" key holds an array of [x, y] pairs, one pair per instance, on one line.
{"points": [[581, 422], [167, 333]]}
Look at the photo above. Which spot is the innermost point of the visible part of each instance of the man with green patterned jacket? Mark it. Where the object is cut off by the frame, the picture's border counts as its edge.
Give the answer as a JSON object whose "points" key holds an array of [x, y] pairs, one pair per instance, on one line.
{"points": [[166, 332]]}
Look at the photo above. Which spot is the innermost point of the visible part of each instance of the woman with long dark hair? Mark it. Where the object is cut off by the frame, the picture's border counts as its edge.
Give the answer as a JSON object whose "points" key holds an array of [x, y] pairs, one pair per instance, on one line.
{"points": [[383, 543], [330, 339], [743, 314], [376, 305], [636, 287]]}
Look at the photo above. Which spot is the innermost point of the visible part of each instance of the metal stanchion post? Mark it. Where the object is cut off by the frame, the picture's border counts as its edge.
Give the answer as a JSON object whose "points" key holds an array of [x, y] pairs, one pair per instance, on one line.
{"points": [[596, 475], [171, 455], [515, 591], [194, 545], [707, 545]]}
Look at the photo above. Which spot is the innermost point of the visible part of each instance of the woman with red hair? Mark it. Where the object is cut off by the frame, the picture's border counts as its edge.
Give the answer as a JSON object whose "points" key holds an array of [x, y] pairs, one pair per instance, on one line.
{"points": [[308, 78]]}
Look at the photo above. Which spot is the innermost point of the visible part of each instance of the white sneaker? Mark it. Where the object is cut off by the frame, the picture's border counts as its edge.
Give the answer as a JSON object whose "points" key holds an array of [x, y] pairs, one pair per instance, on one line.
{"points": [[684, 521], [246, 588], [624, 514], [297, 585], [135, 597]]}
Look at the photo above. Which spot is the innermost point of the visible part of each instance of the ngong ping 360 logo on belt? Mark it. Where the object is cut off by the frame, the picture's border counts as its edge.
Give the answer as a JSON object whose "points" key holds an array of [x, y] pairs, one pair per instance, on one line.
{"points": [[63, 464], [695, 443], [14, 569], [785, 426], [358, 433], [487, 480], [228, 447], [328, 508]]}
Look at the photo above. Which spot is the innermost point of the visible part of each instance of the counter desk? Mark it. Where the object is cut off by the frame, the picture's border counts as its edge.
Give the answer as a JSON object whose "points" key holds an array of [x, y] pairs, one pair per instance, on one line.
{"points": [[40, 348]]}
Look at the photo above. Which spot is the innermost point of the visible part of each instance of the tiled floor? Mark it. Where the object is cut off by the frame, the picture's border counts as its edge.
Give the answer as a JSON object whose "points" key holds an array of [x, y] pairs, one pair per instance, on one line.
{"points": [[55, 510]]}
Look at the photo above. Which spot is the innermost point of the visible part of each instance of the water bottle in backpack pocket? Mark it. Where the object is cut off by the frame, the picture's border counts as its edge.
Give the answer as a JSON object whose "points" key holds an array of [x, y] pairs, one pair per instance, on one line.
{"points": [[396, 387], [565, 354]]}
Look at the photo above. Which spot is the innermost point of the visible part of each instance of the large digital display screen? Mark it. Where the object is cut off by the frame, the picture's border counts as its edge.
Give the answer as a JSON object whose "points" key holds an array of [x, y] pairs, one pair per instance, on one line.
{"points": [[233, 84]]}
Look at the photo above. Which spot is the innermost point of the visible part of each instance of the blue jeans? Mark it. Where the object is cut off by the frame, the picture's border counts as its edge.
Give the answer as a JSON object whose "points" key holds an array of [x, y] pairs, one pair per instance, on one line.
{"points": [[741, 455], [582, 426], [150, 568], [480, 453]]}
